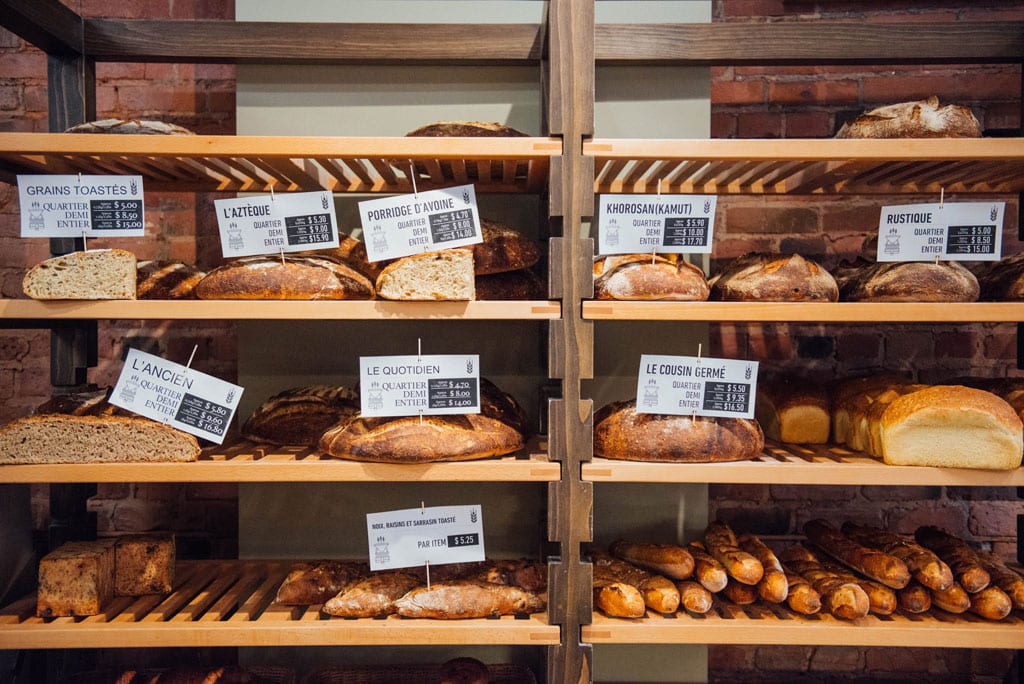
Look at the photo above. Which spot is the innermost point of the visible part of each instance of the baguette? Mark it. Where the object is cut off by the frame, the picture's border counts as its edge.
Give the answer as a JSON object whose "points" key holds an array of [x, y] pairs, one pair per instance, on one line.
{"points": [[462, 599], [962, 559], [722, 544], [802, 597], [927, 567], [914, 598], [372, 596], [694, 597], [739, 593], [840, 597], [882, 600], [991, 603], [615, 598], [1004, 578], [879, 566], [952, 599], [709, 572], [773, 586], [659, 593], [669, 560]]}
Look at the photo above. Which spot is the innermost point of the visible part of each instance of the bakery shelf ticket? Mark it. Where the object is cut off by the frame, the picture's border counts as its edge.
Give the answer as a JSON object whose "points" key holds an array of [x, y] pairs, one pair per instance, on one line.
{"points": [[77, 205], [698, 386], [436, 384], [176, 395], [632, 224], [424, 222], [952, 231], [417, 536], [269, 224]]}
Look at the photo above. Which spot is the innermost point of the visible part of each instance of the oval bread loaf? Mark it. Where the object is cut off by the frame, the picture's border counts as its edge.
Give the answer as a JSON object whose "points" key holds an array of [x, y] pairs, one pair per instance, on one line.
{"points": [[287, 276], [758, 276], [641, 277], [920, 119], [911, 281]]}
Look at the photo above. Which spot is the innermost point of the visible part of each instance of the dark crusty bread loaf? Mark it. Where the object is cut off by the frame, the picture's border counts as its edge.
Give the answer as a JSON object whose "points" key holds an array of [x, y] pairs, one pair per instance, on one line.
{"points": [[911, 281], [920, 119], [301, 415], [352, 253], [56, 438], [286, 276], [647, 277], [166, 280], [503, 249], [500, 428], [85, 403], [144, 564], [1002, 281], [432, 276], [130, 127], [510, 285], [793, 410], [466, 129], [462, 599], [620, 432], [758, 276], [464, 671], [76, 579], [316, 582], [92, 274], [967, 566]]}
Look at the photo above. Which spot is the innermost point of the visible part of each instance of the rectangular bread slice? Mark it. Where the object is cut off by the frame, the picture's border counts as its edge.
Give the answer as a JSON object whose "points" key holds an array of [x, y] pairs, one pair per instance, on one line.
{"points": [[76, 579], [144, 564], [92, 274]]}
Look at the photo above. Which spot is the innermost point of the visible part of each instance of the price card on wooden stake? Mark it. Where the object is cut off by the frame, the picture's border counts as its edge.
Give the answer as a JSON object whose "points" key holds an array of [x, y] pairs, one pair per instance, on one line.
{"points": [[699, 386], [417, 536], [680, 224], [179, 396], [410, 224], [70, 205], [953, 231], [269, 224], [436, 384]]}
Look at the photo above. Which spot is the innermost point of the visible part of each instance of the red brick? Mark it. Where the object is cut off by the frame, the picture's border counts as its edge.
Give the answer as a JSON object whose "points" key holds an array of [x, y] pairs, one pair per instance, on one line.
{"points": [[34, 99], [837, 659], [753, 8], [112, 490], [120, 71], [903, 493], [809, 125], [818, 92], [882, 660], [723, 125], [915, 17], [9, 40], [859, 347], [730, 658], [982, 493], [995, 519], [787, 658], [728, 341], [837, 512], [133, 515], [739, 492], [30, 64], [948, 517], [737, 92], [992, 662], [212, 490], [767, 343], [771, 220], [814, 494], [908, 346], [1000, 345], [759, 125], [13, 347], [955, 345]]}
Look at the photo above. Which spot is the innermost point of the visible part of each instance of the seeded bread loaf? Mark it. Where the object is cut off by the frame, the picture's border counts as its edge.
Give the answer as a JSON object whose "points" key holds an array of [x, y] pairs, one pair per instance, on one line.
{"points": [[921, 119], [285, 276], [316, 582], [432, 276], [758, 276], [76, 579], [166, 280], [647, 277], [299, 416], [144, 564], [92, 274]]}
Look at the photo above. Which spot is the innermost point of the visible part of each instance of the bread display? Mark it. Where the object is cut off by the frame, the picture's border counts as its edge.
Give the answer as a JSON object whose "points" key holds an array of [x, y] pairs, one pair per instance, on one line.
{"points": [[648, 277], [670, 560], [466, 129], [284, 276], [659, 593], [881, 599], [709, 572], [1002, 281], [55, 438], [839, 596], [773, 586], [300, 415], [166, 280], [76, 579], [793, 410], [318, 582], [763, 277], [130, 127], [620, 432], [879, 566], [954, 427], [920, 119], [967, 567], [927, 568], [92, 274], [722, 544], [144, 564], [372, 595], [464, 599], [432, 276], [511, 285], [910, 281], [500, 428]]}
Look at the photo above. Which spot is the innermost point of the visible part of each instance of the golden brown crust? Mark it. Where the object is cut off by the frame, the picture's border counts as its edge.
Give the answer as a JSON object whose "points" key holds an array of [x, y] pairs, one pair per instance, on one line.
{"points": [[758, 276], [669, 560], [1003, 577], [802, 597], [991, 603], [694, 597], [773, 586], [914, 598], [659, 594], [643, 277], [620, 432], [461, 599], [793, 410], [739, 593], [351, 252], [911, 281], [301, 415], [288, 276], [927, 567], [877, 565], [952, 599], [617, 599], [166, 280], [709, 572], [839, 596], [1002, 281], [721, 543], [466, 129], [317, 582], [920, 119], [963, 560], [371, 596]]}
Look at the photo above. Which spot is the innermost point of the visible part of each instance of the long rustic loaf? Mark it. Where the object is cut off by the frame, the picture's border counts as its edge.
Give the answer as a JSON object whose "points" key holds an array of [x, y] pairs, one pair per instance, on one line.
{"points": [[461, 599], [285, 276], [92, 274], [920, 119], [316, 582], [372, 596], [927, 567], [669, 560], [839, 596], [166, 280], [962, 559], [764, 277], [643, 277]]}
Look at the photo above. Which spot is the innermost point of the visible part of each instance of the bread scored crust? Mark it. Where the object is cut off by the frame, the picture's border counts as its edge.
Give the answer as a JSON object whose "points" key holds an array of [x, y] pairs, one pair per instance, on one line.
{"points": [[284, 276], [721, 543], [466, 129], [912, 281], [926, 566], [1003, 281], [659, 593], [793, 410], [446, 275], [316, 582], [503, 249], [880, 566], [647, 277], [166, 280], [92, 274], [962, 559], [758, 276], [301, 415], [952, 426], [709, 572], [991, 603], [56, 438], [130, 127], [694, 597], [919, 119], [773, 586], [669, 560], [839, 596], [1005, 578], [462, 599], [371, 596]]}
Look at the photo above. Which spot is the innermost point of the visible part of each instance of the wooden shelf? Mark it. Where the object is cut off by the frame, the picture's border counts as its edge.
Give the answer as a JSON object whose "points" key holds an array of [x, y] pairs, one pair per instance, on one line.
{"points": [[219, 163], [230, 603], [831, 312], [803, 166], [246, 462], [761, 624], [376, 309], [800, 465]]}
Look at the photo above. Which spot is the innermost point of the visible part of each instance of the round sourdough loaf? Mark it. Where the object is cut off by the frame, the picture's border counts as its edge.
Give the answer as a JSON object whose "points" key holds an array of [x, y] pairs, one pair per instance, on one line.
{"points": [[503, 249], [758, 276], [623, 434], [300, 415], [465, 129], [952, 426], [647, 277], [1003, 281], [130, 127], [286, 276], [920, 119], [911, 281]]}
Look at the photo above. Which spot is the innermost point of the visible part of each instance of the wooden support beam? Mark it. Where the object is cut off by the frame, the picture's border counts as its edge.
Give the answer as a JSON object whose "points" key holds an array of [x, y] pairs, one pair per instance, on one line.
{"points": [[47, 24]]}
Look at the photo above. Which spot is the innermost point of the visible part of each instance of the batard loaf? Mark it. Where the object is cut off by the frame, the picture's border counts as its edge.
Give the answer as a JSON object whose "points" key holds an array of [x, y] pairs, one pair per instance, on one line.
{"points": [[919, 119], [166, 280], [952, 426], [301, 415], [371, 596], [461, 599], [287, 276], [620, 432], [911, 281], [500, 428], [793, 410], [92, 274], [643, 277], [758, 276], [432, 276]]}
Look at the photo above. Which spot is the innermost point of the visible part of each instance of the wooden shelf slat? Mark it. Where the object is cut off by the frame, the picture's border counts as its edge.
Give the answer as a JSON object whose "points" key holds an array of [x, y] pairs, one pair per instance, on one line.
{"points": [[829, 312], [376, 309]]}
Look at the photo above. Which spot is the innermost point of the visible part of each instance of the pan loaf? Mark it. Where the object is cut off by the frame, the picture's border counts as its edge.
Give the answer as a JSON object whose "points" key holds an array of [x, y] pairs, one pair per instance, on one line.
{"points": [[793, 410], [144, 564], [76, 579]]}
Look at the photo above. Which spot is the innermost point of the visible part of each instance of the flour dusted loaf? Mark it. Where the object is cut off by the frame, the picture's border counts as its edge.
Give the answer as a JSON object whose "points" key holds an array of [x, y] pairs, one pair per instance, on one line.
{"points": [[920, 119], [144, 564], [286, 276], [300, 415], [620, 432], [467, 598], [793, 410], [910, 281], [465, 129], [130, 127], [954, 427], [432, 276], [166, 280], [647, 277], [500, 428], [92, 274], [55, 438], [758, 276], [76, 579]]}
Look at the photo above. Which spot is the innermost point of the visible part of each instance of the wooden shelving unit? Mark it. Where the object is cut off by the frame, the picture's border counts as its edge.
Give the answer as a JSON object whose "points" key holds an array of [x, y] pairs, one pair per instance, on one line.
{"points": [[829, 312]]}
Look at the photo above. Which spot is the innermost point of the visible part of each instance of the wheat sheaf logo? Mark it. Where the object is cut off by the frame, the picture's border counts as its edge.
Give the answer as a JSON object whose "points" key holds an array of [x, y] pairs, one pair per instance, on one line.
{"points": [[749, 372], [707, 206], [135, 187], [323, 201], [469, 365], [465, 196], [231, 396], [473, 517], [993, 214]]}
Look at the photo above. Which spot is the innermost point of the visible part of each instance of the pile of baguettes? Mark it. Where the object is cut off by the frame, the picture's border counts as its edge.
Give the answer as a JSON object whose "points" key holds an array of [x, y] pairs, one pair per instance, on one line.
{"points": [[848, 573]]}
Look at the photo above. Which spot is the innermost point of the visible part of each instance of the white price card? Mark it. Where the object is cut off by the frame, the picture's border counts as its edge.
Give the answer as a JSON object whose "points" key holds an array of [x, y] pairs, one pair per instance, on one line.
{"points": [[417, 536], [436, 384], [953, 231], [428, 221], [73, 205], [698, 386], [179, 396], [680, 224], [268, 224]]}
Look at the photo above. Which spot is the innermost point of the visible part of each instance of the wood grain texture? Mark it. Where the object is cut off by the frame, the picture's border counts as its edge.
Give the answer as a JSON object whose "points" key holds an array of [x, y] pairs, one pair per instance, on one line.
{"points": [[46, 24]]}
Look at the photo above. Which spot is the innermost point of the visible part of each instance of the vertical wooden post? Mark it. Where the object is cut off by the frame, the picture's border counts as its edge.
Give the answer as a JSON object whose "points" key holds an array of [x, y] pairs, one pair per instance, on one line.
{"points": [[570, 81]]}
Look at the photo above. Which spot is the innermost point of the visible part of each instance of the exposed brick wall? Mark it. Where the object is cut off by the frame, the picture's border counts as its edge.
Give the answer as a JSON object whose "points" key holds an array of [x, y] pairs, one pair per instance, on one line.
{"points": [[812, 102]]}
